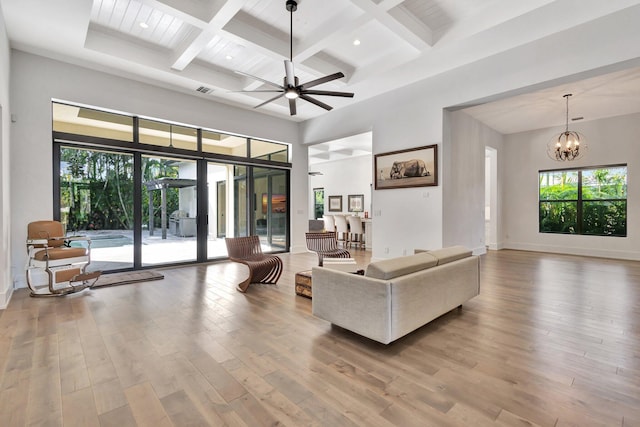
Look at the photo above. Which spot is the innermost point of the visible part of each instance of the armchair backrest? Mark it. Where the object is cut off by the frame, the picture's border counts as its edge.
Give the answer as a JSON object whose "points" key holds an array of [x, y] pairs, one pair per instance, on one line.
{"points": [[243, 247], [319, 242], [50, 230]]}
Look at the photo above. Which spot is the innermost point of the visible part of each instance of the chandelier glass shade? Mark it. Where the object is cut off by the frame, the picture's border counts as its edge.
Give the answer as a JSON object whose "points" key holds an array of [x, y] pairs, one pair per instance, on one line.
{"points": [[569, 145]]}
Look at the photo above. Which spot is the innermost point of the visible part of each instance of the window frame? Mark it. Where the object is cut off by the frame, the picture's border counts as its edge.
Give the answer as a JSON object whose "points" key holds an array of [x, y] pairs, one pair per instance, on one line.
{"points": [[580, 201]]}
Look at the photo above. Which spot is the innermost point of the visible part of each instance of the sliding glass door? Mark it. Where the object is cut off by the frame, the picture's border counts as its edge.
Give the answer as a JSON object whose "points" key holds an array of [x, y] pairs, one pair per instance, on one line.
{"points": [[96, 199], [150, 192], [169, 210], [270, 212]]}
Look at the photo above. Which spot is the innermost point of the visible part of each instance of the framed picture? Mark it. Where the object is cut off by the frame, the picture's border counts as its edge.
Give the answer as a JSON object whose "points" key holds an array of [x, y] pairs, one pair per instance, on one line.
{"points": [[413, 167], [335, 203], [355, 202]]}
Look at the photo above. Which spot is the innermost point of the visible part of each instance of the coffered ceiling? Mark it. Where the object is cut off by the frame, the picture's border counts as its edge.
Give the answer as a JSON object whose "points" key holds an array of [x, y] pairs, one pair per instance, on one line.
{"points": [[195, 46]]}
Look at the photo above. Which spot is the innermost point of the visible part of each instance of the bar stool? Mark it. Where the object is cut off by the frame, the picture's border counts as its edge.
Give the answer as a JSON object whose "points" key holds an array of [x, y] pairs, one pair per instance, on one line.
{"points": [[329, 223], [356, 231], [342, 229]]}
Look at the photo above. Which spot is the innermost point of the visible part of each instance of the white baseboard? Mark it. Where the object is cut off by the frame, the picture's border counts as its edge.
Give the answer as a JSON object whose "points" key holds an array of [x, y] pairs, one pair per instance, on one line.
{"points": [[600, 253], [5, 297], [298, 249], [480, 250], [496, 246]]}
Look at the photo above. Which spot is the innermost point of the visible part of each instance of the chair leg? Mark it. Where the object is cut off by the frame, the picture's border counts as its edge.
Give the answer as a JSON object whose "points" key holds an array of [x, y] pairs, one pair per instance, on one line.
{"points": [[77, 277], [242, 287]]}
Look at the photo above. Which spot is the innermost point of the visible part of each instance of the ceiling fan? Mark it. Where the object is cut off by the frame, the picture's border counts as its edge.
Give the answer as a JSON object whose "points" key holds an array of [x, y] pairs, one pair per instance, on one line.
{"points": [[291, 89]]}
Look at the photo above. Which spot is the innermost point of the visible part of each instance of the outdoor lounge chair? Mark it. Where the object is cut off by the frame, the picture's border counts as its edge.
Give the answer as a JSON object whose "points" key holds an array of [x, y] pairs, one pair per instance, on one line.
{"points": [[263, 268], [50, 252]]}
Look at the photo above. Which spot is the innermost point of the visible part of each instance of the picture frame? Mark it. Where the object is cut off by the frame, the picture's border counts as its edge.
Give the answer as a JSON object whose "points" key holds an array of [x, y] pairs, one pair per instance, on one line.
{"points": [[413, 167], [335, 203], [355, 202]]}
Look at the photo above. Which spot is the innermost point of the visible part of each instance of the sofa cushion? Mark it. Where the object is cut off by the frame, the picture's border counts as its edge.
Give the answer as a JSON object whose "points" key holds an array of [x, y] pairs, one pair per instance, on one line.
{"points": [[394, 267], [450, 254]]}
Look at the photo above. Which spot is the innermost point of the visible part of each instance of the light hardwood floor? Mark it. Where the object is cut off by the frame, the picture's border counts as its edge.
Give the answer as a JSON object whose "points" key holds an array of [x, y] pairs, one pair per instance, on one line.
{"points": [[551, 341]]}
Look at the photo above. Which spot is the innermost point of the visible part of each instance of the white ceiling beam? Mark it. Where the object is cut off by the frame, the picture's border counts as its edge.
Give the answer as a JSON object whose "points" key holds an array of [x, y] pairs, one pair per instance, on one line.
{"points": [[186, 53], [413, 24], [381, 14], [330, 32], [154, 59], [390, 4], [379, 67], [202, 10], [221, 17], [327, 64], [177, 13], [489, 17], [245, 31]]}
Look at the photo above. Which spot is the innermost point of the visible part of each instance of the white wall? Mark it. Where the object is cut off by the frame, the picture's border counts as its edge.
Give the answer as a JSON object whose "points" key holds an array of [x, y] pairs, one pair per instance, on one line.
{"points": [[342, 178], [413, 116], [464, 173], [611, 141], [6, 282], [36, 80]]}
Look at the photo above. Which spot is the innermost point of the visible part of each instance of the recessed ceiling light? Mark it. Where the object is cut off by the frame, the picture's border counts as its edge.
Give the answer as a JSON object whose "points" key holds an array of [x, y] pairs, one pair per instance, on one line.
{"points": [[229, 57], [144, 25], [356, 42]]}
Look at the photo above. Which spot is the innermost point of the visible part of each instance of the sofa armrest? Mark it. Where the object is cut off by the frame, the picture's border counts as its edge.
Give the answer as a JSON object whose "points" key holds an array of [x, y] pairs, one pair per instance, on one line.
{"points": [[354, 302]]}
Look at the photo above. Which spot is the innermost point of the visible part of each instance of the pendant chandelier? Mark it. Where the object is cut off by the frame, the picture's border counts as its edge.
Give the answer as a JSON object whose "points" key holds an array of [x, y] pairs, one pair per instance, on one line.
{"points": [[569, 145]]}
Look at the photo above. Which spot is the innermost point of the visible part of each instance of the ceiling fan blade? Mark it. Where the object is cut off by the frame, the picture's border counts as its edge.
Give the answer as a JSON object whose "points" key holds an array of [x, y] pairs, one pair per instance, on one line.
{"points": [[321, 80], [290, 74], [270, 100], [292, 107], [315, 101], [328, 93], [257, 91], [261, 80]]}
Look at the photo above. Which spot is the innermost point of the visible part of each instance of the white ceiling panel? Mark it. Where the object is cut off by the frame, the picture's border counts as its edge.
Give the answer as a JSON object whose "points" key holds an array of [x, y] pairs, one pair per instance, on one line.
{"points": [[376, 42], [126, 17], [192, 43], [609, 95], [307, 19]]}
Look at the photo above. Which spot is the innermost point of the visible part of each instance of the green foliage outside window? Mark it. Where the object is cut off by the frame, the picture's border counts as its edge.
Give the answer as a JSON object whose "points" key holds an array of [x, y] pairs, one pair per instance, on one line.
{"points": [[585, 201], [96, 189], [318, 202]]}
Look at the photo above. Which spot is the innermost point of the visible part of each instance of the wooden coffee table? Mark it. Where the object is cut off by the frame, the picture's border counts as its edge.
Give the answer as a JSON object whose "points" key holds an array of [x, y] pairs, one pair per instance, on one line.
{"points": [[303, 283]]}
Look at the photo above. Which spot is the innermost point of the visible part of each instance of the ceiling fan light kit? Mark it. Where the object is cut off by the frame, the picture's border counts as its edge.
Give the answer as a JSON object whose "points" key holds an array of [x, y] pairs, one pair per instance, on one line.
{"points": [[291, 88], [569, 145]]}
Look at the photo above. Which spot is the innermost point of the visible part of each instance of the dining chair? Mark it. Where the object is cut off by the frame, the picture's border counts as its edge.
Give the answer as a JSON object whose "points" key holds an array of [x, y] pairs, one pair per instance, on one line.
{"points": [[329, 223], [356, 231], [342, 229]]}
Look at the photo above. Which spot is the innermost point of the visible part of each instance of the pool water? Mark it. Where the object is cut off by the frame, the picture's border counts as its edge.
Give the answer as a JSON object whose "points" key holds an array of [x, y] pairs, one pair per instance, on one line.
{"points": [[105, 241]]}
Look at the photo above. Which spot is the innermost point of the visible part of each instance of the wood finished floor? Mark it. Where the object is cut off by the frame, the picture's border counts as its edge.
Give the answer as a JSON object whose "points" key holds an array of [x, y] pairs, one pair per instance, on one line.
{"points": [[551, 341]]}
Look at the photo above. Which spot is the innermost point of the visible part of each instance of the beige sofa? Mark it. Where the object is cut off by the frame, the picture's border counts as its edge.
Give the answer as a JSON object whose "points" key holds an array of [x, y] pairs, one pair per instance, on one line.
{"points": [[396, 296]]}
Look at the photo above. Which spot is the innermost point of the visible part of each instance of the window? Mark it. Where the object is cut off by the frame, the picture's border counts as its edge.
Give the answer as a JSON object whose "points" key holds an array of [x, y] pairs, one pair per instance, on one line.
{"points": [[269, 151], [590, 201], [151, 192], [111, 129], [318, 202], [167, 135]]}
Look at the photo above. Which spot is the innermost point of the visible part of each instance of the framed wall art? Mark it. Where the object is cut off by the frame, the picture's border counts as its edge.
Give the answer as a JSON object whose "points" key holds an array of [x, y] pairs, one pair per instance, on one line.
{"points": [[413, 167], [335, 203], [355, 202]]}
